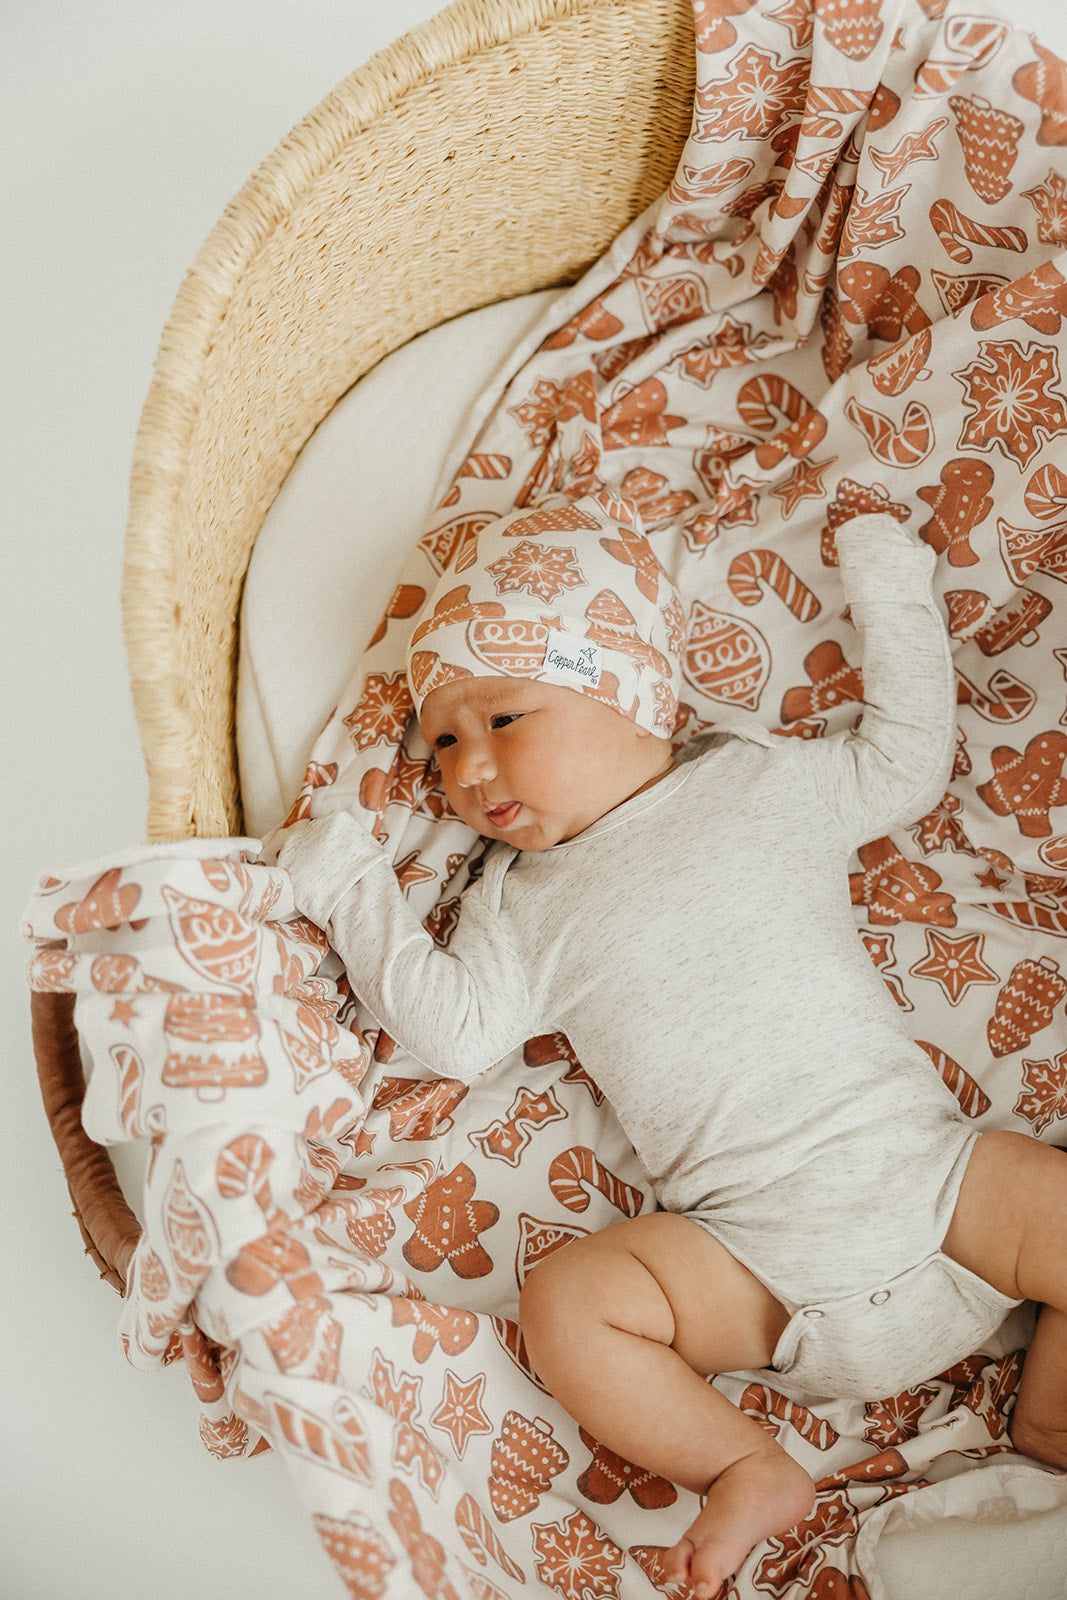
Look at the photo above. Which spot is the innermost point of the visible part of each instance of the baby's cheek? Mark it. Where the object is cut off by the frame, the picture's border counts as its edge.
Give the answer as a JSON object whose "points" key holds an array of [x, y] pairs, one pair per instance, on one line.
{"points": [[453, 792]]}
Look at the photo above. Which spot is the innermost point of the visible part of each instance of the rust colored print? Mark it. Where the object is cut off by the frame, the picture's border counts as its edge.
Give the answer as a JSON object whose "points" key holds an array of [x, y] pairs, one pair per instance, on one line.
{"points": [[361, 1555], [460, 1414], [1043, 81], [609, 1476], [901, 444], [752, 567], [894, 889], [508, 1137], [425, 1553], [477, 1534], [419, 1108], [448, 1221], [774, 1412], [108, 904], [1043, 1097], [853, 27], [447, 1329], [578, 1173], [399, 1395], [960, 502], [725, 658], [961, 234], [382, 713], [1028, 784], [954, 963], [525, 1459], [974, 1102], [989, 138], [1025, 1005], [832, 683], [574, 1558]]}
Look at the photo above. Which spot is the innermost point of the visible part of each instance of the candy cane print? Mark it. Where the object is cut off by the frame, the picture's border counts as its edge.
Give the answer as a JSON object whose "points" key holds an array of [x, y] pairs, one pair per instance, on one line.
{"points": [[902, 444], [1006, 699], [957, 232], [766, 400], [748, 568], [577, 1167], [764, 1403], [763, 401], [974, 1102], [798, 441], [477, 1534], [345, 1448], [131, 1074], [1046, 493], [970, 42], [1027, 915]]}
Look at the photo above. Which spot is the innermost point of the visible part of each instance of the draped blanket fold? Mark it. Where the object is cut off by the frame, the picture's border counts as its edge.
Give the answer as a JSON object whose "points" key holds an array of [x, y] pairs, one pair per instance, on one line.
{"points": [[850, 299]]}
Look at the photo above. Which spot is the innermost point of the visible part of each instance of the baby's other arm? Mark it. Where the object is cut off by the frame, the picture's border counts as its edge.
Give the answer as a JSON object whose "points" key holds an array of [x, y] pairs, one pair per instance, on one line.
{"points": [[896, 765], [457, 1010]]}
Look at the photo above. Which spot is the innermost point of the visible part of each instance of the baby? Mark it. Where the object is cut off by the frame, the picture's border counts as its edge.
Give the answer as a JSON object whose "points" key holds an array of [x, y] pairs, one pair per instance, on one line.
{"points": [[825, 1209]]}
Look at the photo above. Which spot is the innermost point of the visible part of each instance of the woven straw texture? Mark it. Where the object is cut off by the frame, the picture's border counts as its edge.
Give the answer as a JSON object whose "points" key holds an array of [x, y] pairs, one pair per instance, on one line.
{"points": [[494, 150]]}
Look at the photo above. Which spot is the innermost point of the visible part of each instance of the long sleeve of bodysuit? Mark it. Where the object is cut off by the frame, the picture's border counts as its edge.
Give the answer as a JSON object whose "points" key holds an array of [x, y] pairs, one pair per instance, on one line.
{"points": [[895, 766], [459, 1010]]}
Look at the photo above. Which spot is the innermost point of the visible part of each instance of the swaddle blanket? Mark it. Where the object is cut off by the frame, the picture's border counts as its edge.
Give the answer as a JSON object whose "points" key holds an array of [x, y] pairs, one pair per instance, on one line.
{"points": [[850, 299]]}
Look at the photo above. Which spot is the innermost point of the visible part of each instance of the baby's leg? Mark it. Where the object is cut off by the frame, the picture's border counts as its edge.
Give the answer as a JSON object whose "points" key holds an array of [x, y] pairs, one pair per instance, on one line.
{"points": [[1010, 1227], [624, 1327]]}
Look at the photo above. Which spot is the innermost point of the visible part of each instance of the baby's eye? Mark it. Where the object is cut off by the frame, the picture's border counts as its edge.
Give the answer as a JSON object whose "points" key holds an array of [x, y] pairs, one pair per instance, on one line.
{"points": [[443, 741], [504, 718]]}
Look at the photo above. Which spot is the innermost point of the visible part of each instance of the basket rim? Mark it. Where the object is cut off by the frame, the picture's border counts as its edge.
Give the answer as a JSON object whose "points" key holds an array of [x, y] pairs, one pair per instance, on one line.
{"points": [[460, 32]]}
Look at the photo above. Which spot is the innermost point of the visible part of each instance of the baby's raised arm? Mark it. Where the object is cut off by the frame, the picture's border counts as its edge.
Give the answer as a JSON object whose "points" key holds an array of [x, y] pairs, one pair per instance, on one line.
{"points": [[457, 1010], [896, 765]]}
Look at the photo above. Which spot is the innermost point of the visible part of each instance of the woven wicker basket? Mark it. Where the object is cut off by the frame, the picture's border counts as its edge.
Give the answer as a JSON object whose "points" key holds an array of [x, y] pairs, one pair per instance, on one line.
{"points": [[494, 150]]}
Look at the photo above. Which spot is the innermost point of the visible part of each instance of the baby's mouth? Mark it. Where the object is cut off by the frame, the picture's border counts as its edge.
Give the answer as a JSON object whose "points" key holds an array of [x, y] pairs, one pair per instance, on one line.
{"points": [[502, 816]]}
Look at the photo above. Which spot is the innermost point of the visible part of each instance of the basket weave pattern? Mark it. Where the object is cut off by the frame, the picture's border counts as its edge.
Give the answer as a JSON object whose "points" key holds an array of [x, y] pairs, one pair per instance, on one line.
{"points": [[494, 150]]}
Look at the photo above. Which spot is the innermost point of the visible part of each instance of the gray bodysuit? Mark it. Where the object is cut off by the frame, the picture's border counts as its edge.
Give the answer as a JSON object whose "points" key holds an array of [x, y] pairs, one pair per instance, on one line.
{"points": [[698, 947]]}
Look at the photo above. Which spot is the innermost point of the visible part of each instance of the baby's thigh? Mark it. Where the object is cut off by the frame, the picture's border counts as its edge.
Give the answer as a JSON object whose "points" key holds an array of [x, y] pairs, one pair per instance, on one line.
{"points": [[661, 1277], [1010, 1222]]}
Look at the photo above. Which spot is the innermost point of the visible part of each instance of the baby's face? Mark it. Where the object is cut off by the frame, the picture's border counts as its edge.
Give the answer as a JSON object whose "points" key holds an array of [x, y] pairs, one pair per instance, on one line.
{"points": [[535, 763]]}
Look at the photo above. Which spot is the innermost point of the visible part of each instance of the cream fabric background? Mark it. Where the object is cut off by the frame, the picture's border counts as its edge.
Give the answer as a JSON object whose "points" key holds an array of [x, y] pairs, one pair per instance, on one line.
{"points": [[127, 128]]}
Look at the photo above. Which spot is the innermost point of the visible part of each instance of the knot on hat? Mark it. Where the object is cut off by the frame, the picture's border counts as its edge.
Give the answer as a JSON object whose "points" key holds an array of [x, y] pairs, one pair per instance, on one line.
{"points": [[570, 592]]}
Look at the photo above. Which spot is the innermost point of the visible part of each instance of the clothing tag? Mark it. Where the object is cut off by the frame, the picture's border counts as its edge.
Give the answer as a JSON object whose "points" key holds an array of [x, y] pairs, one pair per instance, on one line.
{"points": [[571, 660]]}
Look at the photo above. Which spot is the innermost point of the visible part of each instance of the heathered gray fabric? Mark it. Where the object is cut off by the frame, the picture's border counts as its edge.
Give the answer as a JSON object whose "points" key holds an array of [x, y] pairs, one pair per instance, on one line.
{"points": [[879, 1341], [698, 948]]}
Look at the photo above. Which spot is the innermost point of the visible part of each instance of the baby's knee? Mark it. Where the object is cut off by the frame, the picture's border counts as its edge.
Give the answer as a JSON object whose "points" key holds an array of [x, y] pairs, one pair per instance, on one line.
{"points": [[550, 1299]]}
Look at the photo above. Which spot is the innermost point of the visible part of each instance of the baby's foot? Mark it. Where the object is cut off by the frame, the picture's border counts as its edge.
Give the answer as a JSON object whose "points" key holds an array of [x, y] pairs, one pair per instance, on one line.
{"points": [[755, 1497]]}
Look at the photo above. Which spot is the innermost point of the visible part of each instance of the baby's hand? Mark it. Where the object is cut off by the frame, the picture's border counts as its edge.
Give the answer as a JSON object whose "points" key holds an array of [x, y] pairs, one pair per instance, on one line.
{"points": [[318, 855], [881, 561]]}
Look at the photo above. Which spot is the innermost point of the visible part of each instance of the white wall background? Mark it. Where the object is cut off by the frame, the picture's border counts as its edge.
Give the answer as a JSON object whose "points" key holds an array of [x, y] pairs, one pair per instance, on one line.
{"points": [[127, 127]]}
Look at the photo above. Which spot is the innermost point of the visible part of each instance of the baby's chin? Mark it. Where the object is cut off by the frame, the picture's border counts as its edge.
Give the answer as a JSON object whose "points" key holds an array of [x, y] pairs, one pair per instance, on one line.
{"points": [[530, 833], [525, 830]]}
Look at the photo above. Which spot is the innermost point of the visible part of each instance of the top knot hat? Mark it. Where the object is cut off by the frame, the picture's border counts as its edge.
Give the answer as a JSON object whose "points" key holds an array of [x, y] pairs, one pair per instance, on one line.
{"points": [[569, 593]]}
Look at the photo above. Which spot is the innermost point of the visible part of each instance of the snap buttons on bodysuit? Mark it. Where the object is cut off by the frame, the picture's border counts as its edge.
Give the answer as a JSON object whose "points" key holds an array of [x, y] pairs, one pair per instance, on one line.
{"points": [[813, 1311], [880, 1298]]}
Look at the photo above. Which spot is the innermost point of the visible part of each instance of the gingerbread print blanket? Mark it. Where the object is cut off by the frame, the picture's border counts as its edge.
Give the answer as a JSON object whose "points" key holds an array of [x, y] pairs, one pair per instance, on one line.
{"points": [[850, 299]]}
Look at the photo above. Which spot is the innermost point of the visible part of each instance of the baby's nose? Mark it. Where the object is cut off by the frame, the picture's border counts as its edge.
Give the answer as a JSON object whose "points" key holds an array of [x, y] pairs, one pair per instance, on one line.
{"points": [[475, 765]]}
